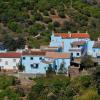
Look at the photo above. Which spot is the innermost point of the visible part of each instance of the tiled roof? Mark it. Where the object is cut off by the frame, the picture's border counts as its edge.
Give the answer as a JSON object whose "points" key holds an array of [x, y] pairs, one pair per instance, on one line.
{"points": [[64, 35], [80, 35], [57, 55], [39, 53], [72, 35], [77, 43], [96, 44], [10, 55]]}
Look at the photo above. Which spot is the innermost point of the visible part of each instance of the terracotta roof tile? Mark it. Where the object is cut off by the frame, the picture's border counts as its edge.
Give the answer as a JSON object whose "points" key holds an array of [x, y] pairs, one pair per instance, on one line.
{"points": [[72, 35], [57, 55], [10, 55], [39, 53], [80, 35], [64, 35]]}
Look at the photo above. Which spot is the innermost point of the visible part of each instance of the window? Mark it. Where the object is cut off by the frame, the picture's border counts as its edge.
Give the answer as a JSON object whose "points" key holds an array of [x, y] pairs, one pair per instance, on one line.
{"points": [[78, 54], [34, 65], [31, 65], [14, 60], [78, 46], [31, 58], [40, 58], [23, 58], [6, 62]]}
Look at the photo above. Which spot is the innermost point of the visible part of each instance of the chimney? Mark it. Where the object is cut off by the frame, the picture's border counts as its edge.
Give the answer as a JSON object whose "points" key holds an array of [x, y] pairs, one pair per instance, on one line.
{"points": [[26, 47], [98, 38], [86, 32], [69, 33], [78, 31]]}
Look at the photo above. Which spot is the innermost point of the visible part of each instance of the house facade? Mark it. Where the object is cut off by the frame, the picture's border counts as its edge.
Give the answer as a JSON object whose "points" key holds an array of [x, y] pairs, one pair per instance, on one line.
{"points": [[32, 62], [58, 59], [96, 49], [37, 62], [74, 43], [9, 61]]}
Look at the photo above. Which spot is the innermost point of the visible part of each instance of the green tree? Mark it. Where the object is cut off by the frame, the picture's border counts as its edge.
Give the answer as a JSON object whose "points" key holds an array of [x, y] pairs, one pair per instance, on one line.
{"points": [[14, 26], [50, 71], [21, 67], [9, 42], [62, 69], [87, 62], [20, 42]]}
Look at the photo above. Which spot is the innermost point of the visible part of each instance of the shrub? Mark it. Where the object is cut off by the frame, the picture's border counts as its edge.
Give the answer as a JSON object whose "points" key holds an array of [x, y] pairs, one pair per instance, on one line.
{"points": [[46, 13], [56, 24], [62, 14], [47, 19], [38, 17], [52, 11], [86, 81]]}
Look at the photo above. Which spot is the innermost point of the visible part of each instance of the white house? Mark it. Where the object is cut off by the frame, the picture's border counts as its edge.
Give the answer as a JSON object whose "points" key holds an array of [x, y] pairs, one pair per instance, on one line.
{"points": [[9, 61]]}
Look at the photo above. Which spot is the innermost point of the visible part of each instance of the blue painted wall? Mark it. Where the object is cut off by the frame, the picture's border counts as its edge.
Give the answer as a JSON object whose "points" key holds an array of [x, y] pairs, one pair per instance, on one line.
{"points": [[90, 47], [36, 60], [42, 67], [96, 52]]}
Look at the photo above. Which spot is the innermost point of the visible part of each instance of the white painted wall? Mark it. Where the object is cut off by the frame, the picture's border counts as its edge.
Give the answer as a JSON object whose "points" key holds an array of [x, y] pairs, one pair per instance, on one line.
{"points": [[9, 63]]}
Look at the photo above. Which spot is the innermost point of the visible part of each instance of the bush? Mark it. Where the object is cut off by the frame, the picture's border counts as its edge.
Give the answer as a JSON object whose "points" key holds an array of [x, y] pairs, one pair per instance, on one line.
{"points": [[47, 20], [62, 14], [86, 81], [38, 17], [52, 12], [6, 81], [46, 13], [56, 24]]}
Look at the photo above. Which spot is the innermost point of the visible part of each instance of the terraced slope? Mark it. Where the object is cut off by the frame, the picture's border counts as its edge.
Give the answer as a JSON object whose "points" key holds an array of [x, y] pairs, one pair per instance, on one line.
{"points": [[34, 19]]}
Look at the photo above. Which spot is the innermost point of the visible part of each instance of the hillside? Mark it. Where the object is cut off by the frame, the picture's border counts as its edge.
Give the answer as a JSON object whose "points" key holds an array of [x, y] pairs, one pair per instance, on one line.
{"points": [[35, 19]]}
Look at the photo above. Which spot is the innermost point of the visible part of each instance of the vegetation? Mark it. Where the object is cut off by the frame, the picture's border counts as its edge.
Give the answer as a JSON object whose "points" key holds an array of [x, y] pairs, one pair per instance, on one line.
{"points": [[29, 18], [63, 88], [53, 87], [87, 62], [5, 91]]}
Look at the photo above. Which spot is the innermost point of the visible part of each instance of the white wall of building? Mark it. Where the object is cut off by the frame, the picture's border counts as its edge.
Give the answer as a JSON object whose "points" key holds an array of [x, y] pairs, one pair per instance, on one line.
{"points": [[9, 63]]}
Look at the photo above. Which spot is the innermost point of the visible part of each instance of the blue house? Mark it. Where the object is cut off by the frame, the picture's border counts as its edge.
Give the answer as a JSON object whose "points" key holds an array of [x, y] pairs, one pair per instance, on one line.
{"points": [[74, 43], [78, 49], [96, 49], [32, 60], [37, 62], [58, 59], [90, 47]]}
